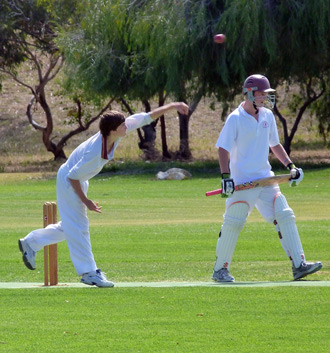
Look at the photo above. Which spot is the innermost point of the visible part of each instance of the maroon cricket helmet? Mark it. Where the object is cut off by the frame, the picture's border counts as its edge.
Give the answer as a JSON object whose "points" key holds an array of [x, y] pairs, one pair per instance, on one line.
{"points": [[257, 83]]}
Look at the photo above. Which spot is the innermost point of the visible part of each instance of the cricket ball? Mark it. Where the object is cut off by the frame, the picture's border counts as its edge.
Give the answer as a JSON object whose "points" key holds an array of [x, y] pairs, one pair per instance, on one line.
{"points": [[219, 38]]}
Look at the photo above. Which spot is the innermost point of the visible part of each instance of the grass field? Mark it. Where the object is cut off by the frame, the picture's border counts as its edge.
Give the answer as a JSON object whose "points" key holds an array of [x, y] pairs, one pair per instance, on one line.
{"points": [[159, 231]]}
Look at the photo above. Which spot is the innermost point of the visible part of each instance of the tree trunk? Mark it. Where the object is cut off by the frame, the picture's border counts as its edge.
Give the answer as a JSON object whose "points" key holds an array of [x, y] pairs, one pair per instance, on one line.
{"points": [[311, 96], [165, 152], [184, 149], [287, 141], [46, 135]]}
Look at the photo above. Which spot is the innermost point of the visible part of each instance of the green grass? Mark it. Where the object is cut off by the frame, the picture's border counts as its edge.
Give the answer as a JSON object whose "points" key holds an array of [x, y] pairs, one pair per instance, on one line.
{"points": [[166, 320], [165, 231]]}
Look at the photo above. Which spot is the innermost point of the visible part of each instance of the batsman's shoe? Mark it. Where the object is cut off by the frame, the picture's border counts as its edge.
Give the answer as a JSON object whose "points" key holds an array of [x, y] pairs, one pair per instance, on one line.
{"points": [[29, 256], [306, 268], [222, 275], [96, 278]]}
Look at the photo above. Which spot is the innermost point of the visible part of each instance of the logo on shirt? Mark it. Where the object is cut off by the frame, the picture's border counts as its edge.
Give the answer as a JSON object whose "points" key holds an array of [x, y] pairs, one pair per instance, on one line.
{"points": [[265, 124]]}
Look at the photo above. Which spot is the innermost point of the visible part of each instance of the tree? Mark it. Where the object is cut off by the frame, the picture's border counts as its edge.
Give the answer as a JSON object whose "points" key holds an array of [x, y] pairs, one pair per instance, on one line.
{"points": [[28, 32], [306, 33], [102, 61], [143, 49], [309, 93], [288, 41], [271, 37], [321, 109]]}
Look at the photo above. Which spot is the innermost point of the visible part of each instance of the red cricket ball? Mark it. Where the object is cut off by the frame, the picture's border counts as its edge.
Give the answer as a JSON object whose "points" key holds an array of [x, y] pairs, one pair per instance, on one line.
{"points": [[219, 38]]}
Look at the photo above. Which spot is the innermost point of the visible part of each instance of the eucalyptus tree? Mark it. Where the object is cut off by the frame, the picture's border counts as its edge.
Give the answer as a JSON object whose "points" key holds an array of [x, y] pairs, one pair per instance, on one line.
{"points": [[139, 49], [103, 61], [28, 33], [286, 40], [143, 49], [321, 108], [179, 50]]}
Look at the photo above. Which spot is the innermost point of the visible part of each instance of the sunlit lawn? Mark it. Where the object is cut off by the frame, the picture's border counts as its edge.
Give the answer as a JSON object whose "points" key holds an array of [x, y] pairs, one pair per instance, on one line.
{"points": [[165, 231]]}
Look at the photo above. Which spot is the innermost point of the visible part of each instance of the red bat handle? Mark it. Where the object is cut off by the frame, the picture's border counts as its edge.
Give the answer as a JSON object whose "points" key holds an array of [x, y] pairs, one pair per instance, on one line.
{"points": [[214, 192]]}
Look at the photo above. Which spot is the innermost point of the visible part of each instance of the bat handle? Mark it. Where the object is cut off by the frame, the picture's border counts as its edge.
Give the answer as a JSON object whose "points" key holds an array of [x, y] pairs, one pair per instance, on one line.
{"points": [[214, 192]]}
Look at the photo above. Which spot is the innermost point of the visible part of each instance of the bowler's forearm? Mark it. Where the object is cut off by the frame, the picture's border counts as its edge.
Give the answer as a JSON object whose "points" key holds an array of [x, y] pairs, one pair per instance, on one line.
{"points": [[181, 107], [77, 188]]}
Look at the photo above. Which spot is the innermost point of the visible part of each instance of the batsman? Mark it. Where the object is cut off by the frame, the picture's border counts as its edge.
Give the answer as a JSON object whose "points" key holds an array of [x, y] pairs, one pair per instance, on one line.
{"points": [[243, 149]]}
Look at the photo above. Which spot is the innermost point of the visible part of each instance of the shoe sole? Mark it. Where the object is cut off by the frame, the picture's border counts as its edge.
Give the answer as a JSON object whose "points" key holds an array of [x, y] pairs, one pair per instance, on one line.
{"points": [[94, 284], [223, 281], [315, 269], [25, 260]]}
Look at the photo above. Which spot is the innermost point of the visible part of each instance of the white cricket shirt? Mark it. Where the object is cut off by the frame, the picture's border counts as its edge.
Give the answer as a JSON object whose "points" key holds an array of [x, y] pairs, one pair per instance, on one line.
{"points": [[248, 141], [86, 160]]}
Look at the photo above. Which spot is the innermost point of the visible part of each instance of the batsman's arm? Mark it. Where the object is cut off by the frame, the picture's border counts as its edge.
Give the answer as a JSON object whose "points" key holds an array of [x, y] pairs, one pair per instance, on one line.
{"points": [[297, 174], [223, 160], [281, 154]]}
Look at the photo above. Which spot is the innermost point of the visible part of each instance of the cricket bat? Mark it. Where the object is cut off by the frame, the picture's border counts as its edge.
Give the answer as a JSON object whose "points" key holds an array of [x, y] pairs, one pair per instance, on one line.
{"points": [[277, 179]]}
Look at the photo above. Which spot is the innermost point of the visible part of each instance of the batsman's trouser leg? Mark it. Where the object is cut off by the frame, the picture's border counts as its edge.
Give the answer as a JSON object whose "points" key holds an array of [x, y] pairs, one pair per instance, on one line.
{"points": [[234, 220], [287, 226]]}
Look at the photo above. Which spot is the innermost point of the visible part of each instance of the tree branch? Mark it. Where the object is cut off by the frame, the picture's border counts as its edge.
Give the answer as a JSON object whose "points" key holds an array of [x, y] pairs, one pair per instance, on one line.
{"points": [[82, 127], [30, 117], [15, 78]]}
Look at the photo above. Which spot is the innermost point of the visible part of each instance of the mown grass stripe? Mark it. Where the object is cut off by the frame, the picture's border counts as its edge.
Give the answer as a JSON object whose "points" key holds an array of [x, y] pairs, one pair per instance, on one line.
{"points": [[26, 285]]}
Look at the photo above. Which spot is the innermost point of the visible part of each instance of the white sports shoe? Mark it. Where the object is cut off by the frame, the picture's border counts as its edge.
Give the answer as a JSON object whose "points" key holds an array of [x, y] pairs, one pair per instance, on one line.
{"points": [[29, 256], [223, 275], [306, 268], [96, 278]]}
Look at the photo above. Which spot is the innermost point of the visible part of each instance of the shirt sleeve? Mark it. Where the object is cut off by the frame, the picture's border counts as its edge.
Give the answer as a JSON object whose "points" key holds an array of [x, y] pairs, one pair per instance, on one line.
{"points": [[87, 163], [227, 135], [136, 121], [274, 139]]}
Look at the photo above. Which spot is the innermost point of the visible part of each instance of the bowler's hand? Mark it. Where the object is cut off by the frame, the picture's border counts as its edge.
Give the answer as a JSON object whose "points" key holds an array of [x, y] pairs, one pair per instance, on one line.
{"points": [[93, 206], [182, 108]]}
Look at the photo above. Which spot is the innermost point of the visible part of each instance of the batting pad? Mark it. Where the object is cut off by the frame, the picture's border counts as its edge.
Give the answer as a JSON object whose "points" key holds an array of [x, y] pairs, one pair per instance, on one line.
{"points": [[282, 240], [287, 226], [234, 220]]}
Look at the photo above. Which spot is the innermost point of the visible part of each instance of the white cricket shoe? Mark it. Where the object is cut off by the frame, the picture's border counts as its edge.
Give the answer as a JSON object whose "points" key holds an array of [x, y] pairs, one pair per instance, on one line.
{"points": [[29, 256], [222, 275], [306, 268], [96, 278]]}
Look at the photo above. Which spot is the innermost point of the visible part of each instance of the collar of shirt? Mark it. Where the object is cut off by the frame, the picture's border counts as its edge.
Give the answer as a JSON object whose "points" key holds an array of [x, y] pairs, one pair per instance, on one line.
{"points": [[104, 153], [246, 114]]}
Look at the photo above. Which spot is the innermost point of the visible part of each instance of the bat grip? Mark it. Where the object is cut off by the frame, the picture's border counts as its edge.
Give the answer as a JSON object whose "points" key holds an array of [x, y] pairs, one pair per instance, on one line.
{"points": [[214, 192]]}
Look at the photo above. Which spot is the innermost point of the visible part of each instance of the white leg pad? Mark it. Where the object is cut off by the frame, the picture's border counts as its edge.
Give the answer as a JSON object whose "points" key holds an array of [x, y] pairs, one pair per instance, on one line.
{"points": [[234, 220], [287, 226], [282, 240]]}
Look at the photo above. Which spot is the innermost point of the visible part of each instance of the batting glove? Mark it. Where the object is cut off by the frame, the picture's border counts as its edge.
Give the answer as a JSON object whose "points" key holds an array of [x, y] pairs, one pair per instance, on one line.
{"points": [[297, 175], [227, 184]]}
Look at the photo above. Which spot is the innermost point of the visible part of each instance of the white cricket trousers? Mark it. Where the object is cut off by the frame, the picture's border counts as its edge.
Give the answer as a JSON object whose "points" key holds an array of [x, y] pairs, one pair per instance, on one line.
{"points": [[240, 205], [73, 227]]}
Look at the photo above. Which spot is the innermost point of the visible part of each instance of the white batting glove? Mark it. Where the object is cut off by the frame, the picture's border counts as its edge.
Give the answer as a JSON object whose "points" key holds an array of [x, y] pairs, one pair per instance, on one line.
{"points": [[227, 184], [297, 175]]}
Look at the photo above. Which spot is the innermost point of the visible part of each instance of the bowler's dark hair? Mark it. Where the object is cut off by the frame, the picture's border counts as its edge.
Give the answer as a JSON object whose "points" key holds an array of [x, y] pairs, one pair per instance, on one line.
{"points": [[110, 121]]}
